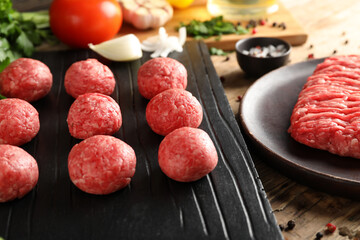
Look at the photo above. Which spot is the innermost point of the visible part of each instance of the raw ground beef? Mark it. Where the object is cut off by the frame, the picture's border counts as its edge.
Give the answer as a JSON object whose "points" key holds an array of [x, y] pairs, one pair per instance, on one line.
{"points": [[187, 154], [89, 76], [94, 114], [27, 79], [172, 109], [101, 164], [327, 113], [19, 121], [160, 74], [19, 172]]}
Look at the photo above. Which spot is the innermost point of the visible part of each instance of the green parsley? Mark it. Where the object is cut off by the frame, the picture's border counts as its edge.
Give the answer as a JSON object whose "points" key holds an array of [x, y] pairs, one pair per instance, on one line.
{"points": [[20, 33], [214, 27], [217, 51], [2, 97]]}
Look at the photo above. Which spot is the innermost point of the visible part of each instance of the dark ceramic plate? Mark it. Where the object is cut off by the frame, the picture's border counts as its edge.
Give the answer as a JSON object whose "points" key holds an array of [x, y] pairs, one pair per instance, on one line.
{"points": [[265, 115]]}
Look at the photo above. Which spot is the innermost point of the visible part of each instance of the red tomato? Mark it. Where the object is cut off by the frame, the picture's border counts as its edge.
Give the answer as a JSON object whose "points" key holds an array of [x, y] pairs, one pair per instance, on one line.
{"points": [[80, 22]]}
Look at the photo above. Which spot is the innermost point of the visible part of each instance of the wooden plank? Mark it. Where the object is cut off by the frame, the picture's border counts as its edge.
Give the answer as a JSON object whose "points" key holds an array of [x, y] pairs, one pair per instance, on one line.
{"points": [[294, 33]]}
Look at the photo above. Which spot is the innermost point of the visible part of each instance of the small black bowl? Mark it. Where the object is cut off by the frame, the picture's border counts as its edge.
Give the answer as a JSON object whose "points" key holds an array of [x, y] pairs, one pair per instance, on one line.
{"points": [[256, 66]]}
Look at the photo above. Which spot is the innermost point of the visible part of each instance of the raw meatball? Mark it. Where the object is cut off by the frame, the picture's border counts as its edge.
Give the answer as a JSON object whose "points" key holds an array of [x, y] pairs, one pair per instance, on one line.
{"points": [[19, 172], [19, 121], [89, 76], [172, 109], [160, 74], [27, 79], [101, 164], [94, 114], [187, 154]]}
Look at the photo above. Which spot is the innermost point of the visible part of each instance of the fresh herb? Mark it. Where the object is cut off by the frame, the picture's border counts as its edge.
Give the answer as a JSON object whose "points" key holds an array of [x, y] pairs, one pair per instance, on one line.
{"points": [[214, 27], [2, 97], [20, 33], [217, 51]]}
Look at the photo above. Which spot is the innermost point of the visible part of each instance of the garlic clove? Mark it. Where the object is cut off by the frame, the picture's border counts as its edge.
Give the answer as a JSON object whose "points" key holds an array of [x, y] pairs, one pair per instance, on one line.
{"points": [[124, 48]]}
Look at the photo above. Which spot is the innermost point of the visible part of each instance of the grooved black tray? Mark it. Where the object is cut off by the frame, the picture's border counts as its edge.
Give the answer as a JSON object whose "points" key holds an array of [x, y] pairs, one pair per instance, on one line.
{"points": [[229, 203]]}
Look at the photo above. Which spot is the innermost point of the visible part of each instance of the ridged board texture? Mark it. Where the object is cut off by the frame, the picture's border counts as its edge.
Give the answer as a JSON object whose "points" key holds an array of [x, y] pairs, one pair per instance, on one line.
{"points": [[229, 203]]}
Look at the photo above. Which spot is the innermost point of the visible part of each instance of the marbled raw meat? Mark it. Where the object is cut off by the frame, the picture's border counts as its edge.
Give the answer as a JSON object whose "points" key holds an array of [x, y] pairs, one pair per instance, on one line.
{"points": [[19, 121], [27, 79], [172, 109], [101, 164], [19, 172], [89, 76], [187, 154], [327, 113], [160, 74]]}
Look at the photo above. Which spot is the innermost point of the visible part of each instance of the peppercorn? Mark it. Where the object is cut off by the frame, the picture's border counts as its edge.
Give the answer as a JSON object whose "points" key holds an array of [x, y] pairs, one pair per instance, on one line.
{"points": [[291, 224], [311, 46], [335, 51], [282, 227], [282, 25], [330, 227], [274, 24], [319, 235], [346, 42], [262, 22], [253, 23], [227, 59]]}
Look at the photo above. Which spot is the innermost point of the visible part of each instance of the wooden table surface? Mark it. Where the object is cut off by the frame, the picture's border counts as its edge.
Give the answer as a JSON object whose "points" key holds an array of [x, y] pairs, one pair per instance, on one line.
{"points": [[331, 25]]}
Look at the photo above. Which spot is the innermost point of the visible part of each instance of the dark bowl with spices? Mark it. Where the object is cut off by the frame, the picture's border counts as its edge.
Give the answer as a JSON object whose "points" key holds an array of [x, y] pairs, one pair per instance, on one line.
{"points": [[259, 55]]}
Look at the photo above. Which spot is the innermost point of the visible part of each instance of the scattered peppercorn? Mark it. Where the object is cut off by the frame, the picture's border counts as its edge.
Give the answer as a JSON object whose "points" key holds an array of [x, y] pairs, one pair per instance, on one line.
{"points": [[274, 24], [282, 25], [330, 227], [343, 33], [254, 31], [291, 225], [319, 235], [262, 22], [310, 56], [282, 227], [311, 46], [253, 23], [344, 231], [335, 51], [346, 42], [226, 59]]}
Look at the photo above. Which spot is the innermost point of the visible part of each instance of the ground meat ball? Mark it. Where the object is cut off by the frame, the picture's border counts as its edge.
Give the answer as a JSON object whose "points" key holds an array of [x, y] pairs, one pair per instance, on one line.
{"points": [[187, 154], [27, 79], [172, 109], [101, 164], [89, 76], [19, 121], [160, 74], [18, 172], [94, 114]]}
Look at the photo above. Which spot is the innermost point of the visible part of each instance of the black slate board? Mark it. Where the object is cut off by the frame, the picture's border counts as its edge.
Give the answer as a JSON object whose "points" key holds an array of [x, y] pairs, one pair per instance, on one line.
{"points": [[229, 203]]}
